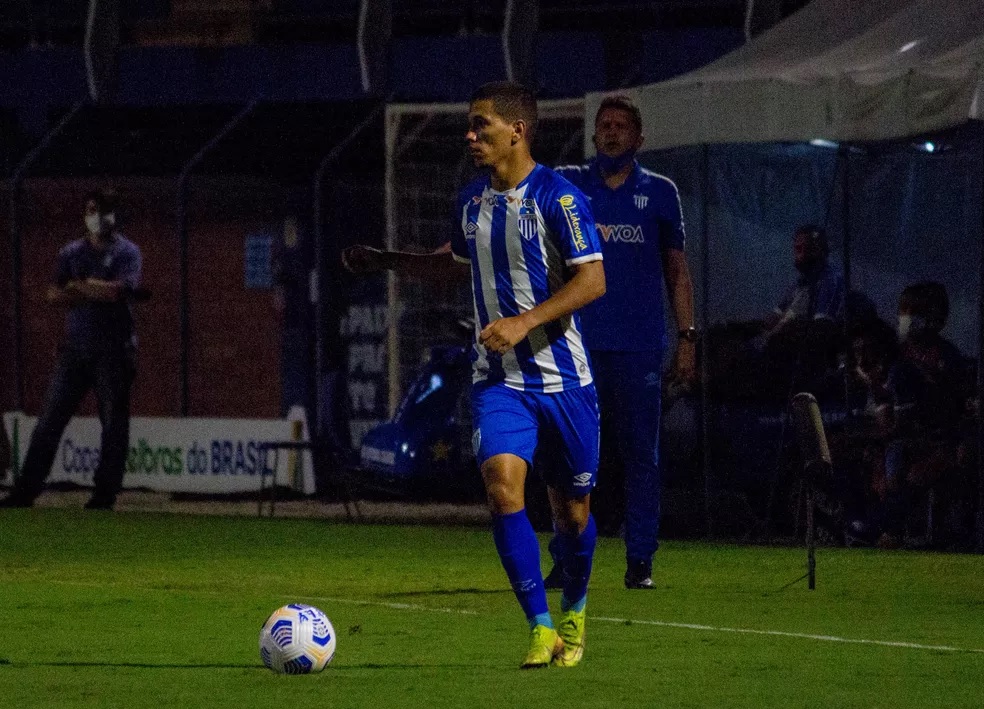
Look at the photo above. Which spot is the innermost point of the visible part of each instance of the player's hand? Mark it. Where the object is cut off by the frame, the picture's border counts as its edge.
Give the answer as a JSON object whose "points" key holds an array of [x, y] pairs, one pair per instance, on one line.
{"points": [[362, 259], [502, 335]]}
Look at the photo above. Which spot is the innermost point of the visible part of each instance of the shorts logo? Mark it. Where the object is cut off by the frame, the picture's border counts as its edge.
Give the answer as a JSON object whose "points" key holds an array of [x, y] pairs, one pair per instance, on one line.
{"points": [[477, 440], [525, 585], [582, 479], [573, 221]]}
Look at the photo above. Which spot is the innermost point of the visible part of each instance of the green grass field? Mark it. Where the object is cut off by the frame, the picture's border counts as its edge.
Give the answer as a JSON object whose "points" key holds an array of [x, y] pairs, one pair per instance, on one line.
{"points": [[142, 610]]}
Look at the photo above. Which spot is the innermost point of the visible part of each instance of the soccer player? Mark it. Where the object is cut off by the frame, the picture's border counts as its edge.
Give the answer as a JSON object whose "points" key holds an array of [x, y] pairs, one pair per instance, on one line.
{"points": [[529, 238], [641, 224]]}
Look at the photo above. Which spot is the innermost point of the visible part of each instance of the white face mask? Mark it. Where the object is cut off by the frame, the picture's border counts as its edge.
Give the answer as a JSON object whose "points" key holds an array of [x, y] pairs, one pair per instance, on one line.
{"points": [[97, 225], [92, 223], [909, 324]]}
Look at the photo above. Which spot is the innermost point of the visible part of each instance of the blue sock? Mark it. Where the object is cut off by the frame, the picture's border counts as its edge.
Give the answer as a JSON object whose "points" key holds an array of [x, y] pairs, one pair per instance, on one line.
{"points": [[578, 553], [519, 551]]}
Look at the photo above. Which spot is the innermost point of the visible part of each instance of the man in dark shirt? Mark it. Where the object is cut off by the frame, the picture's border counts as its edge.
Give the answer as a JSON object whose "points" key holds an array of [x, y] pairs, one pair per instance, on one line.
{"points": [[95, 277]]}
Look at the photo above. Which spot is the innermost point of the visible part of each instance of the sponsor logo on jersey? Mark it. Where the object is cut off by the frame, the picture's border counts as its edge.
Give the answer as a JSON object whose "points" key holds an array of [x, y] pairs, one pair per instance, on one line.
{"points": [[641, 200], [621, 233], [573, 221]]}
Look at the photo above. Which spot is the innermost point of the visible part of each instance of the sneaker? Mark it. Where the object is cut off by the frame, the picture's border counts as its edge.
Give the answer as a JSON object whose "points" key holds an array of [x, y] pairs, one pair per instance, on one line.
{"points": [[639, 575], [571, 632], [545, 643], [555, 579]]}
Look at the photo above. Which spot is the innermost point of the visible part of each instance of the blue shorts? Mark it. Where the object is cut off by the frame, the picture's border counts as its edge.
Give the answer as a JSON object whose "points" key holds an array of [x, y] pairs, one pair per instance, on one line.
{"points": [[563, 426]]}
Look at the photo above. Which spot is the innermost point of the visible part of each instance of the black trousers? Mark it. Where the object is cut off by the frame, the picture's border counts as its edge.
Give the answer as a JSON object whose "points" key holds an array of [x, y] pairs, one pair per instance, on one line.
{"points": [[110, 374]]}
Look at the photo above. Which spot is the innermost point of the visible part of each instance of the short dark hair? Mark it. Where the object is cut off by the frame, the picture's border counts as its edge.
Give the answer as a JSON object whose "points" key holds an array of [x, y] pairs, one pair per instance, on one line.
{"points": [[816, 234], [106, 199], [927, 299], [621, 102], [512, 101]]}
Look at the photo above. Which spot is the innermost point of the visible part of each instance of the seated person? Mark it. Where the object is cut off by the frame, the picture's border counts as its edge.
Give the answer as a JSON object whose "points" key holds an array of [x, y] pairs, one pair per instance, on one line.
{"points": [[929, 390], [802, 338], [818, 293], [859, 445]]}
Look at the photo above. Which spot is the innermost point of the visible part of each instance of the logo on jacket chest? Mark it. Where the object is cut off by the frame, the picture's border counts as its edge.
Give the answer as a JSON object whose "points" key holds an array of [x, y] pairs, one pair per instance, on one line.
{"points": [[621, 233]]}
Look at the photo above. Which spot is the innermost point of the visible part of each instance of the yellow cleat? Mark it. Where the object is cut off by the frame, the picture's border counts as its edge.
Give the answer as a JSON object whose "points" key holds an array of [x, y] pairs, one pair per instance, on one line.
{"points": [[545, 644], [571, 633]]}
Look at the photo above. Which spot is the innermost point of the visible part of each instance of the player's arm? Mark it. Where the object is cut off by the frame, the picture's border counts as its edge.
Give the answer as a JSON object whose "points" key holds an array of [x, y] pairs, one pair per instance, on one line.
{"points": [[97, 290], [587, 284], [63, 292], [65, 295], [127, 268], [680, 287], [439, 264]]}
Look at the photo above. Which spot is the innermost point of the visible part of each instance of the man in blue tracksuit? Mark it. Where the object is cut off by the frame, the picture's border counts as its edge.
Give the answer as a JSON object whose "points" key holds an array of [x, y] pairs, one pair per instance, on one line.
{"points": [[641, 228]]}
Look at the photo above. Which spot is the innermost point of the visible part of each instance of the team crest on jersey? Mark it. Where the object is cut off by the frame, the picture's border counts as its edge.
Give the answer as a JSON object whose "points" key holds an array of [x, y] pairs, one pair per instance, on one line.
{"points": [[476, 200], [527, 221], [527, 225], [641, 200]]}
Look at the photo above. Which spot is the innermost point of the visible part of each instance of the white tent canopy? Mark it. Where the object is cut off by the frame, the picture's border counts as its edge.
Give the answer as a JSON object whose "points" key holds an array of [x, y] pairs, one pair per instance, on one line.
{"points": [[843, 70]]}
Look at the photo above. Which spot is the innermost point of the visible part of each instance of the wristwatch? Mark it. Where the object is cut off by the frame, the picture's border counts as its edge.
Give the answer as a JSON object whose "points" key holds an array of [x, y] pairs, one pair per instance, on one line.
{"points": [[689, 334]]}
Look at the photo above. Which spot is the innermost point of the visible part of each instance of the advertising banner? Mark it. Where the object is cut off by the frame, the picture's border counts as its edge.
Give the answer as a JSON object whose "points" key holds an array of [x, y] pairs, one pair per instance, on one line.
{"points": [[198, 455]]}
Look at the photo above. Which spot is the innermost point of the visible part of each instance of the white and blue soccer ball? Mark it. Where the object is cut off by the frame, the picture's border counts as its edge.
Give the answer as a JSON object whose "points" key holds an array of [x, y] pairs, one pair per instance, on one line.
{"points": [[297, 640]]}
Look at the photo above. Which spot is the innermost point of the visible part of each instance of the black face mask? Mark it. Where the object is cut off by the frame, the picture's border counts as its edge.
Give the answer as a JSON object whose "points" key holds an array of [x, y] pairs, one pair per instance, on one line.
{"points": [[610, 164]]}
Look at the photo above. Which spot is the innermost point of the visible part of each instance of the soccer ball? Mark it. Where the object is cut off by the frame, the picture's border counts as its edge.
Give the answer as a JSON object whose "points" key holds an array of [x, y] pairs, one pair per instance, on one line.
{"points": [[296, 640]]}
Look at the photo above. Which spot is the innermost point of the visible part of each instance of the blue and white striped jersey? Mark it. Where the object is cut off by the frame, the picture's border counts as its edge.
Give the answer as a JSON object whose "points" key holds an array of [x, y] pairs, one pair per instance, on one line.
{"points": [[520, 244]]}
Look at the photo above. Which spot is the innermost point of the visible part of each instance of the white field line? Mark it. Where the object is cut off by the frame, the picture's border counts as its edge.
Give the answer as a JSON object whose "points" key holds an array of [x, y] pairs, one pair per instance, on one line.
{"points": [[415, 607]]}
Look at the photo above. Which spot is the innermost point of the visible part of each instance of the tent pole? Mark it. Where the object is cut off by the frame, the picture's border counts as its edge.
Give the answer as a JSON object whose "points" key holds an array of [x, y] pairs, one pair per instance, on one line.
{"points": [[845, 153], [980, 372], [846, 222], [705, 404]]}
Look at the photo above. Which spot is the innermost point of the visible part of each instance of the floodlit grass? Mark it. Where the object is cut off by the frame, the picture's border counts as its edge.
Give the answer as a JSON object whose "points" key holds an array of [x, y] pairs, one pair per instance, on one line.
{"points": [[140, 610]]}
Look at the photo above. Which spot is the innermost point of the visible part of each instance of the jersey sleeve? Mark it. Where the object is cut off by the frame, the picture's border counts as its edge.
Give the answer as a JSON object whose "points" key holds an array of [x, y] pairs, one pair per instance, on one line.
{"points": [[459, 248], [672, 235], [568, 215], [129, 267], [575, 174], [63, 268]]}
